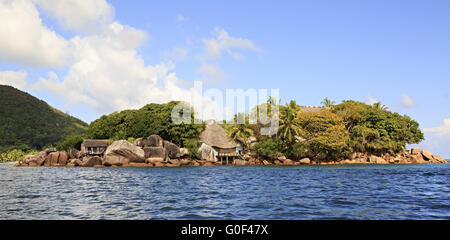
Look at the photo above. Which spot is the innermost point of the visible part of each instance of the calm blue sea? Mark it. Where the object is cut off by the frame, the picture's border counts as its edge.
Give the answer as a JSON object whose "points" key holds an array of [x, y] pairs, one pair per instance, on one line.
{"points": [[248, 192]]}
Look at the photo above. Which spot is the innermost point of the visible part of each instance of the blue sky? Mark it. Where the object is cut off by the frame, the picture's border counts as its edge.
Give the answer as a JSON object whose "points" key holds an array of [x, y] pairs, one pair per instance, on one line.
{"points": [[396, 52]]}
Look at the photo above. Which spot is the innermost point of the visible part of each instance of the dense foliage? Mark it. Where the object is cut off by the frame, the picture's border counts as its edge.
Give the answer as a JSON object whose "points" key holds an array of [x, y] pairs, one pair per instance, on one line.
{"points": [[376, 130], [268, 147], [28, 123], [151, 119], [71, 142], [15, 155], [333, 131], [324, 133], [192, 147], [240, 132]]}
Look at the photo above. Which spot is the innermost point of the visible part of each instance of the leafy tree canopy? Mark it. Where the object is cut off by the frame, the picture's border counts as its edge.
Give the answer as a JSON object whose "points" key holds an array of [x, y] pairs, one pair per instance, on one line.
{"points": [[377, 130], [150, 119], [324, 132]]}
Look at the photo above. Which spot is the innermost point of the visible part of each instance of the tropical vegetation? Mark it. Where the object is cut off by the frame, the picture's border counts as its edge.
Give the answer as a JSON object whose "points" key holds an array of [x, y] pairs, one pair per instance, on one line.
{"points": [[150, 119], [333, 131], [28, 123], [15, 155]]}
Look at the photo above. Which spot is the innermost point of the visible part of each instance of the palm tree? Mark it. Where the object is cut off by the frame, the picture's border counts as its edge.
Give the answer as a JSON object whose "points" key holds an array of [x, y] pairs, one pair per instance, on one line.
{"points": [[380, 106], [271, 101], [327, 103], [264, 121], [240, 133], [289, 127]]}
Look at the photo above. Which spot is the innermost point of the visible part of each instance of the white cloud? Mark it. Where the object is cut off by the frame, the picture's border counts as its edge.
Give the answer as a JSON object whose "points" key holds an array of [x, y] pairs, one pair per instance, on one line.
{"points": [[407, 101], [440, 131], [122, 36], [25, 40], [214, 47], [212, 73], [222, 42], [108, 75], [15, 79], [83, 16], [176, 54], [371, 100], [437, 139], [105, 71]]}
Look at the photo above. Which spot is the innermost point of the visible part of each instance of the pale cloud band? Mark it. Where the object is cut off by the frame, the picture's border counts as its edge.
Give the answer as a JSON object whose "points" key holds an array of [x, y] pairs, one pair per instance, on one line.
{"points": [[437, 139], [407, 101], [13, 78], [214, 47], [223, 42], [443, 130]]}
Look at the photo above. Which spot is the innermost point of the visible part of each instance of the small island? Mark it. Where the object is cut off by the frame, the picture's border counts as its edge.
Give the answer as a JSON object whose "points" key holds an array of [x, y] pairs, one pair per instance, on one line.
{"points": [[348, 133]]}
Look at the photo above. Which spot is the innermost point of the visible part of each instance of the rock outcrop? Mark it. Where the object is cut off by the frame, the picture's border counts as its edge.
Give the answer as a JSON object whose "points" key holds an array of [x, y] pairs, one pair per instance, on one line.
{"points": [[122, 152], [154, 160], [172, 150], [415, 156], [207, 153], [63, 158], [427, 155], [184, 152], [154, 152], [153, 141], [185, 162], [377, 160], [305, 161], [289, 162], [36, 160], [52, 159], [239, 162], [91, 161], [139, 142], [416, 150]]}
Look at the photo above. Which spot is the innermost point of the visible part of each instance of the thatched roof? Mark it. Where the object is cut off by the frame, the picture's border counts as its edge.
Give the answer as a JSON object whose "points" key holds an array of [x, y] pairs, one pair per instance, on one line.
{"points": [[95, 143], [215, 136]]}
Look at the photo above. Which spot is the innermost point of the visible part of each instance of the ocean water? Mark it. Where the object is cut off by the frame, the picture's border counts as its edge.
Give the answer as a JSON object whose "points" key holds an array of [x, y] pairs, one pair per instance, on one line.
{"points": [[249, 192]]}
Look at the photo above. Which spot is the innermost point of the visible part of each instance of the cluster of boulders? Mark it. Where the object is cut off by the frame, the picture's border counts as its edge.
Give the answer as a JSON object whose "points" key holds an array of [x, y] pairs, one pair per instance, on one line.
{"points": [[144, 152], [51, 157], [414, 156], [157, 152]]}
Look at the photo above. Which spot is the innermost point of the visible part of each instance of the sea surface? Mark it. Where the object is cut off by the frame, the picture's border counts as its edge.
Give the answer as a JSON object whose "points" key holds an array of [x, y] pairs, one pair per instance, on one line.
{"points": [[249, 192]]}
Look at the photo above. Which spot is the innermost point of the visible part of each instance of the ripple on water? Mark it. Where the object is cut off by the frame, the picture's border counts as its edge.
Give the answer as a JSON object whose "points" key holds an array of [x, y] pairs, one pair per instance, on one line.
{"points": [[250, 192]]}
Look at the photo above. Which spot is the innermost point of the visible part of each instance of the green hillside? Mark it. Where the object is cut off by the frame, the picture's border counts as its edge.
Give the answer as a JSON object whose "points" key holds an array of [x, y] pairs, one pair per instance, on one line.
{"points": [[29, 123]]}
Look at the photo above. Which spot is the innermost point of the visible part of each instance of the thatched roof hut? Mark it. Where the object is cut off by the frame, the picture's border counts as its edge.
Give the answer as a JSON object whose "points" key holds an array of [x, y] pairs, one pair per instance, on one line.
{"points": [[95, 143], [215, 136], [94, 146]]}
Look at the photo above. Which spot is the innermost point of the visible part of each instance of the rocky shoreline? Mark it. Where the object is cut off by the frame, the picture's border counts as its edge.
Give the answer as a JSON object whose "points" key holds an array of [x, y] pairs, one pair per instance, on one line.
{"points": [[124, 154], [415, 156], [154, 151]]}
